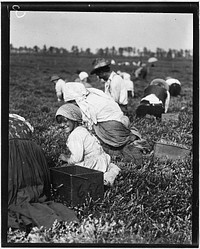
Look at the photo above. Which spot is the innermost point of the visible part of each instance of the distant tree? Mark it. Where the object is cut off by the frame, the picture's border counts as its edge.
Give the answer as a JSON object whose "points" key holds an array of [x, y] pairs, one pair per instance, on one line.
{"points": [[75, 50], [88, 51], [169, 53], [36, 49], [100, 52], [44, 49], [113, 51], [129, 50], [106, 51], [51, 50], [121, 51], [145, 51]]}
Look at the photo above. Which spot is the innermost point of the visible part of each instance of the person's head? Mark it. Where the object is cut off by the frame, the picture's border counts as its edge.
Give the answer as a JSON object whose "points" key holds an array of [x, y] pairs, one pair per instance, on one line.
{"points": [[101, 67], [83, 76], [69, 116], [54, 78]]}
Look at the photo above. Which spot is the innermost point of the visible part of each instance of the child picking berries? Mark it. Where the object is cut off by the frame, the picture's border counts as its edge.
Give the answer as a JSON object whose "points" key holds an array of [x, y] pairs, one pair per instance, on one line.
{"points": [[84, 147]]}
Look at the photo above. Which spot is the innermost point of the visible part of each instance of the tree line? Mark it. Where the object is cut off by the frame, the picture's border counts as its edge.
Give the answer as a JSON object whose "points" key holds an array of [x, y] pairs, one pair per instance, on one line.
{"points": [[121, 51]]}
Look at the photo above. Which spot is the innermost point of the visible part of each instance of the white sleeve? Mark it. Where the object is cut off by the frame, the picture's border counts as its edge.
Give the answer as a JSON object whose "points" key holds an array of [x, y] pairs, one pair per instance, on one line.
{"points": [[58, 87], [76, 147], [167, 102]]}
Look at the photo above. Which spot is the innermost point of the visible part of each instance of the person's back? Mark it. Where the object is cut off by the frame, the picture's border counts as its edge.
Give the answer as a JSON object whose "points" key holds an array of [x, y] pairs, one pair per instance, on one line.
{"points": [[104, 106], [59, 86], [158, 91], [128, 83], [153, 101], [116, 88]]}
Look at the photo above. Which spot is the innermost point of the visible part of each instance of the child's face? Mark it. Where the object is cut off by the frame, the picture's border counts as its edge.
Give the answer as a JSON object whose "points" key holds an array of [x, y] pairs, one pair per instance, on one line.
{"points": [[68, 125]]}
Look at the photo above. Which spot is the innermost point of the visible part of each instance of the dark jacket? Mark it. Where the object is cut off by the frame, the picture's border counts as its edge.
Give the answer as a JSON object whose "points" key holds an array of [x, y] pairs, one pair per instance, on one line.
{"points": [[160, 92]]}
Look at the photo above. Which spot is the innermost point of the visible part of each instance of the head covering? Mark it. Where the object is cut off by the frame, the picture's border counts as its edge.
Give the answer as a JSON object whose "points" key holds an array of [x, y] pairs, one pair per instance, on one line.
{"points": [[74, 91], [54, 77], [83, 75], [99, 63], [160, 82], [70, 111]]}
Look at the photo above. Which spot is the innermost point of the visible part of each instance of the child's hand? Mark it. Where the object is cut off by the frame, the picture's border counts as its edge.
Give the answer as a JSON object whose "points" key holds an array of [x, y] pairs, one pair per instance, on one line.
{"points": [[63, 157]]}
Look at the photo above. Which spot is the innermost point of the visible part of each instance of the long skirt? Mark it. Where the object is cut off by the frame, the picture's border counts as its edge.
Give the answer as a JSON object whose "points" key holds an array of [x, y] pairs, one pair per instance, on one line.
{"points": [[118, 140], [28, 172], [112, 133], [29, 188]]}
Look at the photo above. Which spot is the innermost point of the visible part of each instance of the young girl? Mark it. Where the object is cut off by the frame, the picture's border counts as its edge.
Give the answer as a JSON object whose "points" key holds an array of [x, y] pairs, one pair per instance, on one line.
{"points": [[84, 147]]}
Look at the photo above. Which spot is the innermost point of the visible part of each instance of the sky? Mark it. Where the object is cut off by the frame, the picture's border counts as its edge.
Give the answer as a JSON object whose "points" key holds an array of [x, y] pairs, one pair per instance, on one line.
{"points": [[96, 30]]}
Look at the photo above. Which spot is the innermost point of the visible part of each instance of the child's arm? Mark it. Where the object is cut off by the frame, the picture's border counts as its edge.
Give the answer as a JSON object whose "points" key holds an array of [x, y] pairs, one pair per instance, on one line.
{"points": [[63, 157], [75, 145]]}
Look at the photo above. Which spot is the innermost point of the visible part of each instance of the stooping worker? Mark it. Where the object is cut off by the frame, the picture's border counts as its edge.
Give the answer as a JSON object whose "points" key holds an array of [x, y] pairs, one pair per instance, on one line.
{"points": [[85, 149], [104, 116], [59, 87], [141, 72], [84, 79], [128, 83], [29, 202], [174, 86], [114, 84], [155, 100]]}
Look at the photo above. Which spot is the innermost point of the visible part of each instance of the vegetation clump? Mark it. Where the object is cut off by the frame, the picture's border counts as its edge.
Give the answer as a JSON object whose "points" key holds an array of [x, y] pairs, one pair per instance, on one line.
{"points": [[147, 205]]}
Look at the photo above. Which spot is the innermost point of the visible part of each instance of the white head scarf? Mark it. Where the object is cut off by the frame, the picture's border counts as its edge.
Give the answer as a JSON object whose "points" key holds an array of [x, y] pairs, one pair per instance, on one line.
{"points": [[77, 91], [70, 111]]}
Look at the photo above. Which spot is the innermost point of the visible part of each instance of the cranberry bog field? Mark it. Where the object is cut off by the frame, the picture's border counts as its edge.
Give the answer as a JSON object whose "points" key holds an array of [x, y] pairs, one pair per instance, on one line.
{"points": [[150, 204]]}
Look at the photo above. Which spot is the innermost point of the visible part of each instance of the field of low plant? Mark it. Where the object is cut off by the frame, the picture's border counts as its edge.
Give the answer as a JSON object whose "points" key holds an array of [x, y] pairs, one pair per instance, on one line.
{"points": [[149, 205]]}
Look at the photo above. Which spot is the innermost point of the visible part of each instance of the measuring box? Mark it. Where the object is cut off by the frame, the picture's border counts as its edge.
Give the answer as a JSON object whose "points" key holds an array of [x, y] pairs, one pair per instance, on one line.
{"points": [[74, 183], [170, 117], [169, 151]]}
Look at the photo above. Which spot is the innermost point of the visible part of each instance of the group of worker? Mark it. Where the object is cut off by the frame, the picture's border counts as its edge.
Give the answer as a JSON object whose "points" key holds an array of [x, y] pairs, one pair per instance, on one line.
{"points": [[119, 86]]}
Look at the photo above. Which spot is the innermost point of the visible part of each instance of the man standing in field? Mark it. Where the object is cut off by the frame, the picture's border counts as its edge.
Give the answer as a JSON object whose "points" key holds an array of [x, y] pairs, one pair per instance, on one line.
{"points": [[114, 84], [59, 86]]}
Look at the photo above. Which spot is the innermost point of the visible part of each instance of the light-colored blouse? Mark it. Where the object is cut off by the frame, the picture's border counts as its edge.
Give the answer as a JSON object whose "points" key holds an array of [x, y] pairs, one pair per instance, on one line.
{"points": [[86, 150]]}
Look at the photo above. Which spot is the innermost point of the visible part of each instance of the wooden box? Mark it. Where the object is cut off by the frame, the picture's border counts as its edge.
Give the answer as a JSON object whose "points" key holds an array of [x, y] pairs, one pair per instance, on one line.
{"points": [[165, 151], [74, 183]]}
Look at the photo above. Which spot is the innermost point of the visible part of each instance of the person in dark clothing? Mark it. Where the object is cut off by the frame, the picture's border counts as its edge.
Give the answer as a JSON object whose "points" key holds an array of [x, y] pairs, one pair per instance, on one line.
{"points": [[174, 86], [155, 100], [29, 201]]}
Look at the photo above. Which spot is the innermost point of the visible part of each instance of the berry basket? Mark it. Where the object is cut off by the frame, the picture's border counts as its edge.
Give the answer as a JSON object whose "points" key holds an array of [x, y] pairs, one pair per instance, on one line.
{"points": [[73, 183], [165, 151]]}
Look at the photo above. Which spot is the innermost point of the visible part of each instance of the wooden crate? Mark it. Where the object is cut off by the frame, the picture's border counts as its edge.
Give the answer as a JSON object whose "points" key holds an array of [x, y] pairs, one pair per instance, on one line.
{"points": [[74, 183], [166, 117], [165, 151]]}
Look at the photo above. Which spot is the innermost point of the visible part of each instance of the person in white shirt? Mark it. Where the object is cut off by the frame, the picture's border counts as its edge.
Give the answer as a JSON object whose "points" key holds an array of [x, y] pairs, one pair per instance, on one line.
{"points": [[84, 78], [85, 149], [114, 84], [128, 82], [174, 86], [59, 87], [103, 115], [155, 100]]}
